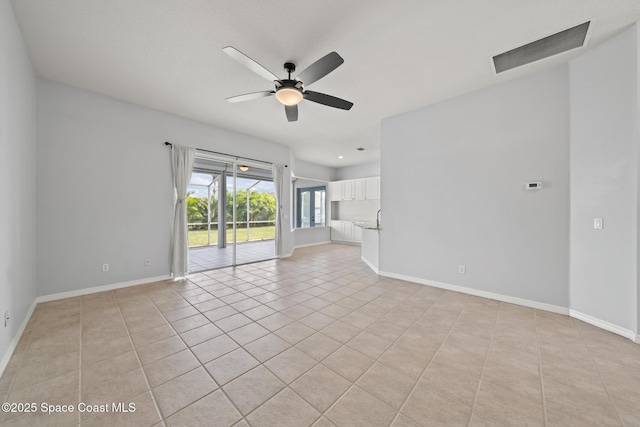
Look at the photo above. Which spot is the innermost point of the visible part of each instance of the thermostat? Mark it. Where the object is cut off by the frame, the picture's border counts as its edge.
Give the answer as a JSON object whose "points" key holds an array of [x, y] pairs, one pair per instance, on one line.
{"points": [[533, 185]]}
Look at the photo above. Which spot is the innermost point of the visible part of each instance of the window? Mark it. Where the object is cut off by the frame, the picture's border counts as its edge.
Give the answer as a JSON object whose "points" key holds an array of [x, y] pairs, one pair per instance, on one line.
{"points": [[311, 203]]}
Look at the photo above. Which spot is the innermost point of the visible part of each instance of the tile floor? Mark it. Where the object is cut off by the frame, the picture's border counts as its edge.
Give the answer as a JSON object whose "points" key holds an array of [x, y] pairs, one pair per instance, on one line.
{"points": [[317, 339], [210, 257]]}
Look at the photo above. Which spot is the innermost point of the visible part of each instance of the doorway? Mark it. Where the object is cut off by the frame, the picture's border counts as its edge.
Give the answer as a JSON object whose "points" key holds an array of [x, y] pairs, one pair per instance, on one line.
{"points": [[231, 213]]}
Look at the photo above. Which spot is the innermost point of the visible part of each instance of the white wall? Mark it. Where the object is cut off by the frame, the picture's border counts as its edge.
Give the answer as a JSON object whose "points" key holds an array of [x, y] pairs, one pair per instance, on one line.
{"points": [[313, 171], [604, 181], [104, 185], [17, 179], [364, 170], [452, 187]]}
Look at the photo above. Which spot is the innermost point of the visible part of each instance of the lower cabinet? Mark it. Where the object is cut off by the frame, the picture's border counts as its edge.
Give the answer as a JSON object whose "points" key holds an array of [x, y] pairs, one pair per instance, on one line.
{"points": [[345, 231]]}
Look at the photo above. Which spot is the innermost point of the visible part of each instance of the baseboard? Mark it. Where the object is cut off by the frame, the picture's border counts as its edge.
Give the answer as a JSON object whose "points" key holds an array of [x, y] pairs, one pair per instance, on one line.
{"points": [[306, 245], [602, 324], [498, 297], [70, 294], [370, 264], [96, 289], [347, 242], [14, 342]]}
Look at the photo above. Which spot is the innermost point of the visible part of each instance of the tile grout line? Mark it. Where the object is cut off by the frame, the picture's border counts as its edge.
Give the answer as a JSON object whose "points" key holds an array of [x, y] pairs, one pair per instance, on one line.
{"points": [[196, 357], [611, 401], [540, 372], [484, 365], [292, 346], [377, 360], [144, 375], [80, 360], [353, 383], [415, 386], [287, 386]]}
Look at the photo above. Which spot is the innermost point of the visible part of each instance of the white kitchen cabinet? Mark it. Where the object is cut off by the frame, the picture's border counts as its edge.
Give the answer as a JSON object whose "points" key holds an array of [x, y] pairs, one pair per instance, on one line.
{"points": [[355, 189], [345, 231], [372, 188], [358, 189], [335, 188], [347, 190], [356, 235]]}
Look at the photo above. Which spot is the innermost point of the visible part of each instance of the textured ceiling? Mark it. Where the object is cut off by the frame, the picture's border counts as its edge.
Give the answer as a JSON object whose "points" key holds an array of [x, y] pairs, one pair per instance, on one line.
{"points": [[399, 55]]}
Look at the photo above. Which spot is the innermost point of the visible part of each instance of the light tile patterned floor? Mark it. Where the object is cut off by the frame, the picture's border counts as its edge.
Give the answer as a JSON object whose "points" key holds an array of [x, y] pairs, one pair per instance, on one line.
{"points": [[210, 257], [317, 339]]}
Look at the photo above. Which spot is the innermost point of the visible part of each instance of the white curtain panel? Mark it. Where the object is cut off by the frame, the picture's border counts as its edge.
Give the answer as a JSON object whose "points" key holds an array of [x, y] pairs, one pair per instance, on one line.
{"points": [[278, 183], [182, 164]]}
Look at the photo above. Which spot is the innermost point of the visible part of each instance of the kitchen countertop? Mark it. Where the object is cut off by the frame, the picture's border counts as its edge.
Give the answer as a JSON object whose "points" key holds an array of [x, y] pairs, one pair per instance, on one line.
{"points": [[367, 225]]}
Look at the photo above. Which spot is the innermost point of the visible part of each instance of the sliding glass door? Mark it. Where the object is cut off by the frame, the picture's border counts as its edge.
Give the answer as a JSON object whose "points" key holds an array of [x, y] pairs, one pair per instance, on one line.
{"points": [[231, 213]]}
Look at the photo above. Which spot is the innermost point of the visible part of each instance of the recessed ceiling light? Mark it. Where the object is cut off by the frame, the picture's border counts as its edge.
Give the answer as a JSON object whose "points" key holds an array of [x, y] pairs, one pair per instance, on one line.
{"points": [[341, 157]]}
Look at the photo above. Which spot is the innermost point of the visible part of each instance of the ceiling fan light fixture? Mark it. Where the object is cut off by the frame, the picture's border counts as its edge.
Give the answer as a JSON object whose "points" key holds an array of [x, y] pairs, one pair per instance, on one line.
{"points": [[289, 96]]}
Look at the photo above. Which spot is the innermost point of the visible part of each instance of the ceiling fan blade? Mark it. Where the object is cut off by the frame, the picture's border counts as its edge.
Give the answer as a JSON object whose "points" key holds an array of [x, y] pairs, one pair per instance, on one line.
{"points": [[292, 112], [320, 68], [250, 96], [324, 99], [249, 63]]}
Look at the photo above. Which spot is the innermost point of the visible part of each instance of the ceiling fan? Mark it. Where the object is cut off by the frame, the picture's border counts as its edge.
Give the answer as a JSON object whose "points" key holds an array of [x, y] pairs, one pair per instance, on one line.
{"points": [[291, 92]]}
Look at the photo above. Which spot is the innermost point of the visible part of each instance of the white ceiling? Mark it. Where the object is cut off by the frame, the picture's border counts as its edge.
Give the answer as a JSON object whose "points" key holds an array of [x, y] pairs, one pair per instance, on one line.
{"points": [[399, 55]]}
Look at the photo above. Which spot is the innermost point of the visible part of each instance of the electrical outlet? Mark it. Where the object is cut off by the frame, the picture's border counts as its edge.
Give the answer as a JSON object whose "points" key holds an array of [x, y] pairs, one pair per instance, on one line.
{"points": [[105, 267], [6, 318], [462, 269], [147, 262]]}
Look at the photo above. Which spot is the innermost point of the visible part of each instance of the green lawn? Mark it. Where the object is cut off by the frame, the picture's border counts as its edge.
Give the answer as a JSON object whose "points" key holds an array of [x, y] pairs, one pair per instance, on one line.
{"points": [[199, 237]]}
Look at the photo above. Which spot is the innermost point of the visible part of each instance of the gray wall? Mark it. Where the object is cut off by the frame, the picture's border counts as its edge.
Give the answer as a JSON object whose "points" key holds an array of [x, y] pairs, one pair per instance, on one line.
{"points": [[604, 183], [104, 185], [365, 170], [17, 178], [452, 186]]}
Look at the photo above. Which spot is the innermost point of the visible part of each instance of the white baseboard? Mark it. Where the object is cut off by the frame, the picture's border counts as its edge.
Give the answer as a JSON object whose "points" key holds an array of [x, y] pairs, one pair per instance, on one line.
{"points": [[14, 342], [602, 324], [627, 333], [347, 242], [370, 264], [498, 297], [96, 289], [306, 245], [70, 294]]}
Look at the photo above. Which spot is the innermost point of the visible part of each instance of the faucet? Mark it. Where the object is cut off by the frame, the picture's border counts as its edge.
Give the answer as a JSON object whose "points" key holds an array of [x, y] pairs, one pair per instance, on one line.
{"points": [[378, 219]]}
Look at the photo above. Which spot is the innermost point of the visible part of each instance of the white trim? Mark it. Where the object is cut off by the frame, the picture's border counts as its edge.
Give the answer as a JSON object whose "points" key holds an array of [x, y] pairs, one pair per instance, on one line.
{"points": [[70, 294], [306, 245], [637, 340], [371, 266], [498, 297], [602, 324], [96, 289], [16, 339], [347, 242]]}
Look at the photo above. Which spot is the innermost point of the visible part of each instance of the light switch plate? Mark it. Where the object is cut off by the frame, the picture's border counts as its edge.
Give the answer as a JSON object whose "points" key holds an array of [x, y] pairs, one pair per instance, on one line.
{"points": [[598, 223]]}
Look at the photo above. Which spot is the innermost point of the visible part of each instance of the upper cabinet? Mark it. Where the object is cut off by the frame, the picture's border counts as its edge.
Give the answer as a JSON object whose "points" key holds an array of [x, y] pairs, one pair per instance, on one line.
{"points": [[355, 189], [372, 188], [335, 190]]}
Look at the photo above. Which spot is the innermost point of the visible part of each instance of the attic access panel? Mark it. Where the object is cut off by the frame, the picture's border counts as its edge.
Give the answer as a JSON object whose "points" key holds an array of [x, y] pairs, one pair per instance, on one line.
{"points": [[548, 46]]}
